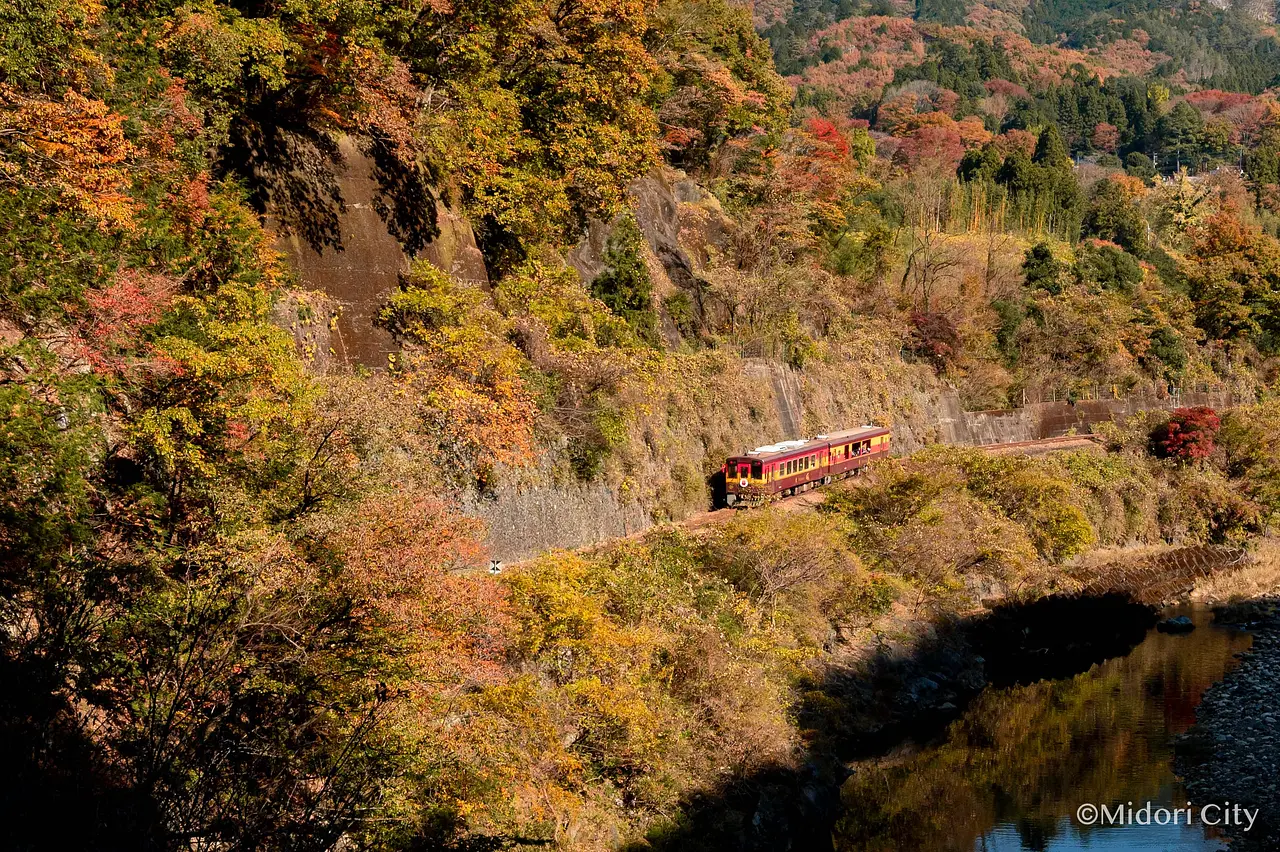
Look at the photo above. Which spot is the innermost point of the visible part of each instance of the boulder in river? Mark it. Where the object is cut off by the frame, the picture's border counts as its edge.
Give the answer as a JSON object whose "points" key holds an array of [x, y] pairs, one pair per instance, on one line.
{"points": [[1177, 624]]}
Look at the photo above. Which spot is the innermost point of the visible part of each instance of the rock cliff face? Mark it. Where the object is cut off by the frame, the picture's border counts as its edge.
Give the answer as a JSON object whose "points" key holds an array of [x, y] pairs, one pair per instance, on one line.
{"points": [[370, 245], [679, 220], [1262, 10]]}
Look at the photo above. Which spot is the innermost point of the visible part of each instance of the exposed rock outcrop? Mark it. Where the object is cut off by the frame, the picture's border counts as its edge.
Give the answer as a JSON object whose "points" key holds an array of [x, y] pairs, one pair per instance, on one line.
{"points": [[378, 222], [1261, 10], [681, 223], [312, 318]]}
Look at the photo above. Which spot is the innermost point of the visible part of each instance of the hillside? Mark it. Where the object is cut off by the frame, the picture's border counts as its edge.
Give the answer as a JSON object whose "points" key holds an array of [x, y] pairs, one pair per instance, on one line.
{"points": [[298, 302]]}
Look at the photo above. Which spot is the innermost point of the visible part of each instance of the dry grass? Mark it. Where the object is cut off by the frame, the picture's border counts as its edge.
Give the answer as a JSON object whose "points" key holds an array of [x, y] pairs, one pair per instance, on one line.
{"points": [[1260, 578], [1089, 562]]}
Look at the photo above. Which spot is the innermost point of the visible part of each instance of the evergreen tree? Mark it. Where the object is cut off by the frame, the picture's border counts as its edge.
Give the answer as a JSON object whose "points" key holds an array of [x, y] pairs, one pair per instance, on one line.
{"points": [[1139, 165], [1042, 269], [1180, 135], [980, 164], [625, 286], [1112, 216], [1051, 151]]}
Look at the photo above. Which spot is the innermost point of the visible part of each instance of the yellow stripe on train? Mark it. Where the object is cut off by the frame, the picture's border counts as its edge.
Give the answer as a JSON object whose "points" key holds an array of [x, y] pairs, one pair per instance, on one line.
{"points": [[789, 467]]}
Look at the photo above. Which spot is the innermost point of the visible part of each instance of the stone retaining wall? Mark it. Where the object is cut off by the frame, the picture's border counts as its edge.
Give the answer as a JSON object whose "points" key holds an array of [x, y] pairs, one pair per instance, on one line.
{"points": [[1040, 420]]}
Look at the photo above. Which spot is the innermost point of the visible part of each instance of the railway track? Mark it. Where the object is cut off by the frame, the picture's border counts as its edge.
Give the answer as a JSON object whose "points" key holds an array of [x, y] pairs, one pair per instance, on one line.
{"points": [[811, 498], [1043, 445]]}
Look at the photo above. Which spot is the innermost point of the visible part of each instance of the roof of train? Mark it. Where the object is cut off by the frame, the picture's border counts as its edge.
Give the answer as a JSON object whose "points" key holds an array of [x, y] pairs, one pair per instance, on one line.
{"points": [[782, 449]]}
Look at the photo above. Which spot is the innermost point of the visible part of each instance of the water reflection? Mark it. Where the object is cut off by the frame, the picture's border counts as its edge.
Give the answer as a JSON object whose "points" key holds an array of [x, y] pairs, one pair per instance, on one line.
{"points": [[1013, 770]]}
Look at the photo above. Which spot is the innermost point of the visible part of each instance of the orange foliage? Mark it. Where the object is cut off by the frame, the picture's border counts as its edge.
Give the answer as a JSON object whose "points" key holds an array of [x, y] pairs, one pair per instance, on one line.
{"points": [[1222, 235], [159, 137], [385, 99], [399, 549], [933, 143], [74, 148], [1015, 140], [1129, 57], [1134, 188], [1106, 137], [873, 47]]}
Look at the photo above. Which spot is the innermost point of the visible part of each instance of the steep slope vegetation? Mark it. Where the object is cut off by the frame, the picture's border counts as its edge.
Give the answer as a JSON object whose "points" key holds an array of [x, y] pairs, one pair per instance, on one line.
{"points": [[235, 584]]}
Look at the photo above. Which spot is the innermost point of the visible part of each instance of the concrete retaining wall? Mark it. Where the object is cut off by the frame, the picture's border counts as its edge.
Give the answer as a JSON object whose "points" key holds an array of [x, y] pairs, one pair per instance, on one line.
{"points": [[1055, 419]]}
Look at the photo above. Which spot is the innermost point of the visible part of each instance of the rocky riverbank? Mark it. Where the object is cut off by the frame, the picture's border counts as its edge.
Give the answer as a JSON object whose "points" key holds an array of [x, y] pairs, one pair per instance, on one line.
{"points": [[1233, 752], [906, 692]]}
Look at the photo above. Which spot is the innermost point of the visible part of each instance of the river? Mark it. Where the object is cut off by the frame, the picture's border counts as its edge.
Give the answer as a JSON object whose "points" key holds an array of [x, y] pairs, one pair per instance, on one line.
{"points": [[1010, 773]]}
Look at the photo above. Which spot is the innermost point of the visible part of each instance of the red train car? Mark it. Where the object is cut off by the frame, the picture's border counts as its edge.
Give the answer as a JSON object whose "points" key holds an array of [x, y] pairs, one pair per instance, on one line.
{"points": [[790, 467]]}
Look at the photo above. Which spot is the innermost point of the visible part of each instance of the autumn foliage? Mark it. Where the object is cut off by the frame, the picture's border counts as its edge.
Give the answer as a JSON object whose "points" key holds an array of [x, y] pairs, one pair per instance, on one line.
{"points": [[244, 595], [1188, 435]]}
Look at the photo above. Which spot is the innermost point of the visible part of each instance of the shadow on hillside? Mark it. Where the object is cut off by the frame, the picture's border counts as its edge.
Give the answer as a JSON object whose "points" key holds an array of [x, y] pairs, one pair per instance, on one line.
{"points": [[296, 175], [896, 700], [292, 173], [54, 793]]}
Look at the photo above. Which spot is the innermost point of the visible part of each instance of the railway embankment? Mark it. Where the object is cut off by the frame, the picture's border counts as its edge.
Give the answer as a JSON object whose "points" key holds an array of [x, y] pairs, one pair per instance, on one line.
{"points": [[660, 477]]}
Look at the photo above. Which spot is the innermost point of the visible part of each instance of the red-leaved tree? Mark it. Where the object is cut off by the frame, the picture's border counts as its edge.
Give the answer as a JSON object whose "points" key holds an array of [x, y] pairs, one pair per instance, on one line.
{"points": [[1188, 435], [934, 338]]}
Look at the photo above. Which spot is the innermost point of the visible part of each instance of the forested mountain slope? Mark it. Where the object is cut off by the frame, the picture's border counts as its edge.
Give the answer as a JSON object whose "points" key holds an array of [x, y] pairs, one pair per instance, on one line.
{"points": [[235, 610]]}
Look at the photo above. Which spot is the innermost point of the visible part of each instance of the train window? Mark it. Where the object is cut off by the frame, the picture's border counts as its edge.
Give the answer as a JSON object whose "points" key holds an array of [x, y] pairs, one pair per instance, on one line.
{"points": [[756, 470]]}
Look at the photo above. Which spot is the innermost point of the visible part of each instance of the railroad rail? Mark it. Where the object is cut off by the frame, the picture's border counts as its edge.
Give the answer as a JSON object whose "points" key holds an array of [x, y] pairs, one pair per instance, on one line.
{"points": [[806, 499]]}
